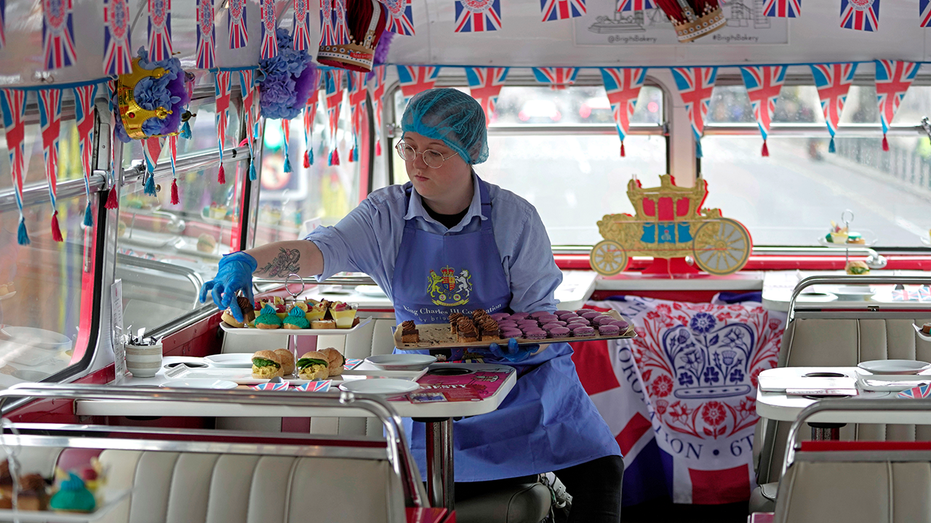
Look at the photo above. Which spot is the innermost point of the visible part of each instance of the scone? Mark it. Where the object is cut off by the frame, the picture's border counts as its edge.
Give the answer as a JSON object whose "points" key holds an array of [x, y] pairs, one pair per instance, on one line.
{"points": [[287, 361], [323, 324], [248, 312], [313, 365], [335, 360], [266, 365]]}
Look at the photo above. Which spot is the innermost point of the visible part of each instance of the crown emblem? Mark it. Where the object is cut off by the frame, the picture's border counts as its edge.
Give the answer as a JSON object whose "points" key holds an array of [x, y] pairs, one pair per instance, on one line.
{"points": [[695, 26], [131, 113], [448, 288], [365, 21], [710, 360]]}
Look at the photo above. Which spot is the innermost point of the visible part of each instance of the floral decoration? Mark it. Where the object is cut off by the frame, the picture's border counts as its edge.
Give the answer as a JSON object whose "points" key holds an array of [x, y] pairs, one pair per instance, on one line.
{"points": [[168, 91], [285, 79]]}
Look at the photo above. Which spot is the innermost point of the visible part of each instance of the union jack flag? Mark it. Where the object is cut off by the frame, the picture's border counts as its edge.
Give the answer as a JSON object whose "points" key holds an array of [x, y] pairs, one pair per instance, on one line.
{"points": [[921, 391], [84, 118], [151, 150], [561, 9], [269, 39], [50, 125], [893, 79], [57, 34], [861, 15], [623, 88], [556, 77], [314, 386], [782, 8], [247, 88], [117, 49], [206, 34], [352, 363], [416, 78], [477, 16], [833, 81], [378, 76], [13, 108], [763, 85], [905, 294], [310, 113], [400, 17], [334, 98], [695, 85], [272, 386], [634, 5], [160, 30], [341, 31], [301, 25], [924, 293], [326, 23], [236, 23], [357, 93], [484, 85], [2, 23], [222, 92], [924, 11]]}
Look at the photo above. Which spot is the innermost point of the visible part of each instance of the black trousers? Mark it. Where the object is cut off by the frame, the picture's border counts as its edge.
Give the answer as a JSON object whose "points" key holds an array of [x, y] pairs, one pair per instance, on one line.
{"points": [[595, 487]]}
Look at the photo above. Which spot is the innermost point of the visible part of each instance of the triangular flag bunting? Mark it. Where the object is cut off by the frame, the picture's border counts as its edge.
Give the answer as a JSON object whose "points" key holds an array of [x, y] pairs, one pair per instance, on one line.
{"points": [[160, 30], [924, 13], [378, 77], [247, 87], [84, 118], [782, 8], [357, 93], [2, 23], [556, 77], [301, 30], [269, 24], [236, 24], [310, 113], [484, 85], [476, 16], [623, 88], [206, 35], [416, 78], [151, 149], [562, 9], [625, 6], [13, 106], [334, 98], [400, 16], [763, 86], [117, 46], [50, 125], [58, 34], [859, 15], [695, 85], [222, 92], [893, 78], [833, 81]]}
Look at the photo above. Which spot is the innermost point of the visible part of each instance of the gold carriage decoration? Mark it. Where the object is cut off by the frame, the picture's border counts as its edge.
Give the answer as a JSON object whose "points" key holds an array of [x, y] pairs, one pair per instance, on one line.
{"points": [[671, 223]]}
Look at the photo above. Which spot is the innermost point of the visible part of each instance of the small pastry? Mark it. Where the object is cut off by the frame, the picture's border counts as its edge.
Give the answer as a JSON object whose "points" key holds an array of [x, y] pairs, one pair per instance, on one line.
{"points": [[268, 318], [323, 324], [266, 365], [73, 496], [453, 322], [926, 328], [296, 319], [409, 332], [855, 238], [336, 361], [298, 304], [584, 331], [559, 332], [609, 329], [316, 311], [467, 330], [33, 493], [535, 334], [248, 313], [313, 365], [287, 361], [343, 313]]}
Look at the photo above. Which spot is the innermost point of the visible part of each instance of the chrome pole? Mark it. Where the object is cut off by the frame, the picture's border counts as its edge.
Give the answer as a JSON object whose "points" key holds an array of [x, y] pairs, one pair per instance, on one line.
{"points": [[440, 470]]}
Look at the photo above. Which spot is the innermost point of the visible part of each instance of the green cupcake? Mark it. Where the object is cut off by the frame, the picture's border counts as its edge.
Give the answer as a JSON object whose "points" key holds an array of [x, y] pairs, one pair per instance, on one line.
{"points": [[296, 319], [267, 318], [73, 496]]}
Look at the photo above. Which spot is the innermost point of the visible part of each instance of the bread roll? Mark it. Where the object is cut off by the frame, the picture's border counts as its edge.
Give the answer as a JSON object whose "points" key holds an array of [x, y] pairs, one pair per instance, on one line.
{"points": [[336, 360], [313, 365], [266, 365], [287, 361]]}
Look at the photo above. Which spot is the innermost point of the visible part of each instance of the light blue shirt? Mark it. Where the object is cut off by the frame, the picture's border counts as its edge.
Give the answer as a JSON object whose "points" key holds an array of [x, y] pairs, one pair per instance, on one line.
{"points": [[368, 238]]}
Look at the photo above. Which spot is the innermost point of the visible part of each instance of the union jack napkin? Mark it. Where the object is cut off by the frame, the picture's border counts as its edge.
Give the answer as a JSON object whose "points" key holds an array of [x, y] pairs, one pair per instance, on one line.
{"points": [[921, 391], [272, 386], [314, 386], [351, 363]]}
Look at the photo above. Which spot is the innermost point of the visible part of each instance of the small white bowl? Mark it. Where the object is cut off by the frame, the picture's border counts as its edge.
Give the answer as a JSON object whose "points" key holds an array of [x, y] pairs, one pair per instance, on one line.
{"points": [[401, 361]]}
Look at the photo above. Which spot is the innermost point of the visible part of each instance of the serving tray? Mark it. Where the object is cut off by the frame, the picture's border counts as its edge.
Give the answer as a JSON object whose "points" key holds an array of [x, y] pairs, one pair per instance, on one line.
{"points": [[438, 336], [251, 331]]}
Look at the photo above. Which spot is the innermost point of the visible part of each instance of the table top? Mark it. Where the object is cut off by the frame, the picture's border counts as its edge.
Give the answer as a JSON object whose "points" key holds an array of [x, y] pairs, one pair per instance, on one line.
{"points": [[778, 287], [196, 409], [776, 405]]}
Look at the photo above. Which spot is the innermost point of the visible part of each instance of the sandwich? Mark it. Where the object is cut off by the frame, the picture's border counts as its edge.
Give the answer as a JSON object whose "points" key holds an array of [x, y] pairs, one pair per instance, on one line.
{"points": [[313, 365], [335, 360], [287, 361], [266, 365], [857, 267]]}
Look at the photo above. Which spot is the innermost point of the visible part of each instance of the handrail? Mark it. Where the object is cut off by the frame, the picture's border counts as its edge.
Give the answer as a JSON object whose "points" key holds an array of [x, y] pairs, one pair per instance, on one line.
{"points": [[922, 405], [398, 453], [197, 281], [851, 280]]}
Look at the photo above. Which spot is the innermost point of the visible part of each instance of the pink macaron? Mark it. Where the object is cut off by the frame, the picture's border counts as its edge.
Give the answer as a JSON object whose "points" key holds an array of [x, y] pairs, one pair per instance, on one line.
{"points": [[511, 333], [498, 316], [559, 332], [535, 334], [537, 314], [517, 316], [608, 330], [583, 331]]}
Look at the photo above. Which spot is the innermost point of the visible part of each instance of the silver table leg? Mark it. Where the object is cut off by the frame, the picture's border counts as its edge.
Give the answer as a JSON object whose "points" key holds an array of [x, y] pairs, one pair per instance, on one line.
{"points": [[825, 431], [440, 483]]}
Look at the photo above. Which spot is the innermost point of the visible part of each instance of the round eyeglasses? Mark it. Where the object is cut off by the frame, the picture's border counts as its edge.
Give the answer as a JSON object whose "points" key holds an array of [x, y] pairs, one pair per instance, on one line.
{"points": [[433, 159]]}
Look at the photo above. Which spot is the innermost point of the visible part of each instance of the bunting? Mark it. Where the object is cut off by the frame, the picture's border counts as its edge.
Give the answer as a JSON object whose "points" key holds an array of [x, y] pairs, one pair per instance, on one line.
{"points": [[301, 27], [310, 113], [340, 29], [378, 77], [247, 87], [833, 81], [326, 23], [556, 77], [476, 16], [357, 93], [13, 106], [924, 14], [859, 15], [151, 149], [50, 125], [222, 94], [782, 8], [695, 85], [625, 6], [2, 23], [117, 47], [334, 97], [893, 79], [84, 119], [173, 157], [206, 35], [57, 34], [112, 201], [286, 131], [562, 9], [269, 39], [622, 86], [236, 24], [416, 78], [160, 30], [484, 85], [763, 86], [400, 19]]}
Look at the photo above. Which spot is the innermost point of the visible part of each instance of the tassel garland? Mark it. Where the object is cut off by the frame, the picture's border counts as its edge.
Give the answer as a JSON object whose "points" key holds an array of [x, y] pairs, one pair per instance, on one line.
{"points": [[186, 130], [378, 148], [88, 216], [765, 149], [252, 175], [310, 156], [831, 148], [149, 188], [623, 152], [112, 202], [885, 143], [174, 192], [56, 230], [697, 149], [21, 237], [221, 175], [334, 157], [287, 164]]}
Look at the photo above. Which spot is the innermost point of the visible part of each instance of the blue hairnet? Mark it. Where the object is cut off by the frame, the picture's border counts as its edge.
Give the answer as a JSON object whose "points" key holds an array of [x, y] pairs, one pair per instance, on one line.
{"points": [[451, 116]]}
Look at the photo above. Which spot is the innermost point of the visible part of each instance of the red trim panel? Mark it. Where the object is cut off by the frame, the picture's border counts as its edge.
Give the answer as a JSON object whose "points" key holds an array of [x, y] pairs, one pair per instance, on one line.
{"points": [[429, 515], [762, 263], [823, 446]]}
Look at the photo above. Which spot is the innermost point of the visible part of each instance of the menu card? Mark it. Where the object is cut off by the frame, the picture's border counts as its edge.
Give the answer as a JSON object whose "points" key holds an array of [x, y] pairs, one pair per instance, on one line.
{"points": [[475, 386]]}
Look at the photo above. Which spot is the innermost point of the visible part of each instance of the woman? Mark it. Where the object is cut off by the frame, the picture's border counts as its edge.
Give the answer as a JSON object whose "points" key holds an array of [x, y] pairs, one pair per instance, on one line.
{"points": [[446, 217]]}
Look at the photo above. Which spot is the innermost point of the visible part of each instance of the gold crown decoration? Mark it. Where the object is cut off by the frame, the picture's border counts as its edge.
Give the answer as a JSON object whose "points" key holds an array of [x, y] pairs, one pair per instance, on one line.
{"points": [[365, 22], [691, 24], [132, 115]]}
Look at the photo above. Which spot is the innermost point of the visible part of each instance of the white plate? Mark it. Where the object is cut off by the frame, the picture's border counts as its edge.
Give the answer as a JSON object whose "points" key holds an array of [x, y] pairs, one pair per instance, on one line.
{"points": [[373, 291], [7, 296], [292, 332], [37, 338], [926, 337], [824, 242], [379, 386], [926, 240], [237, 360], [853, 292], [401, 361], [816, 297], [200, 384], [894, 366]]}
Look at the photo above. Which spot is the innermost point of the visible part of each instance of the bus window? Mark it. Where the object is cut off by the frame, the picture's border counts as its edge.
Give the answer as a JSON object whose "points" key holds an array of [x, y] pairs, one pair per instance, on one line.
{"points": [[791, 197], [540, 135]]}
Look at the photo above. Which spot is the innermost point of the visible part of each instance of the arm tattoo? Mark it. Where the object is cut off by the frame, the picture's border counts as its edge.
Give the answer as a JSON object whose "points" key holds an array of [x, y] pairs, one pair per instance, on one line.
{"points": [[284, 264]]}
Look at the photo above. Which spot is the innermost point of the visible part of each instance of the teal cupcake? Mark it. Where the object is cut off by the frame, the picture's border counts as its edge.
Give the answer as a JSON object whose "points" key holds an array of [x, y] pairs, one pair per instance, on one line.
{"points": [[296, 319], [268, 318], [73, 496]]}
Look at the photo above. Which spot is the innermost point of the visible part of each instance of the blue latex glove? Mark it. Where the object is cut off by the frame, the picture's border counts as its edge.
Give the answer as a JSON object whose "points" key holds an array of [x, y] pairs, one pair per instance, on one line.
{"points": [[513, 352], [234, 274]]}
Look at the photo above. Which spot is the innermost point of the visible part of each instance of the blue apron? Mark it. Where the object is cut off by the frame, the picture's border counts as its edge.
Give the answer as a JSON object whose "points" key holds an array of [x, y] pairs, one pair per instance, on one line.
{"points": [[547, 422]]}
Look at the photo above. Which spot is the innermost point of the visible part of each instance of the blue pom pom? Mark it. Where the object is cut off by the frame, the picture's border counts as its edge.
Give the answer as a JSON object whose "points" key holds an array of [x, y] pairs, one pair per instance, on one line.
{"points": [[186, 130], [252, 175], [21, 237], [831, 146], [88, 216], [697, 149], [287, 164], [150, 186]]}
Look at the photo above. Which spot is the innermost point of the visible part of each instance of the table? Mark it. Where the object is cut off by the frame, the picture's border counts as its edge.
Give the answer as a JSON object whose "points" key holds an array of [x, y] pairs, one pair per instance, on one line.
{"points": [[778, 287], [439, 429]]}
